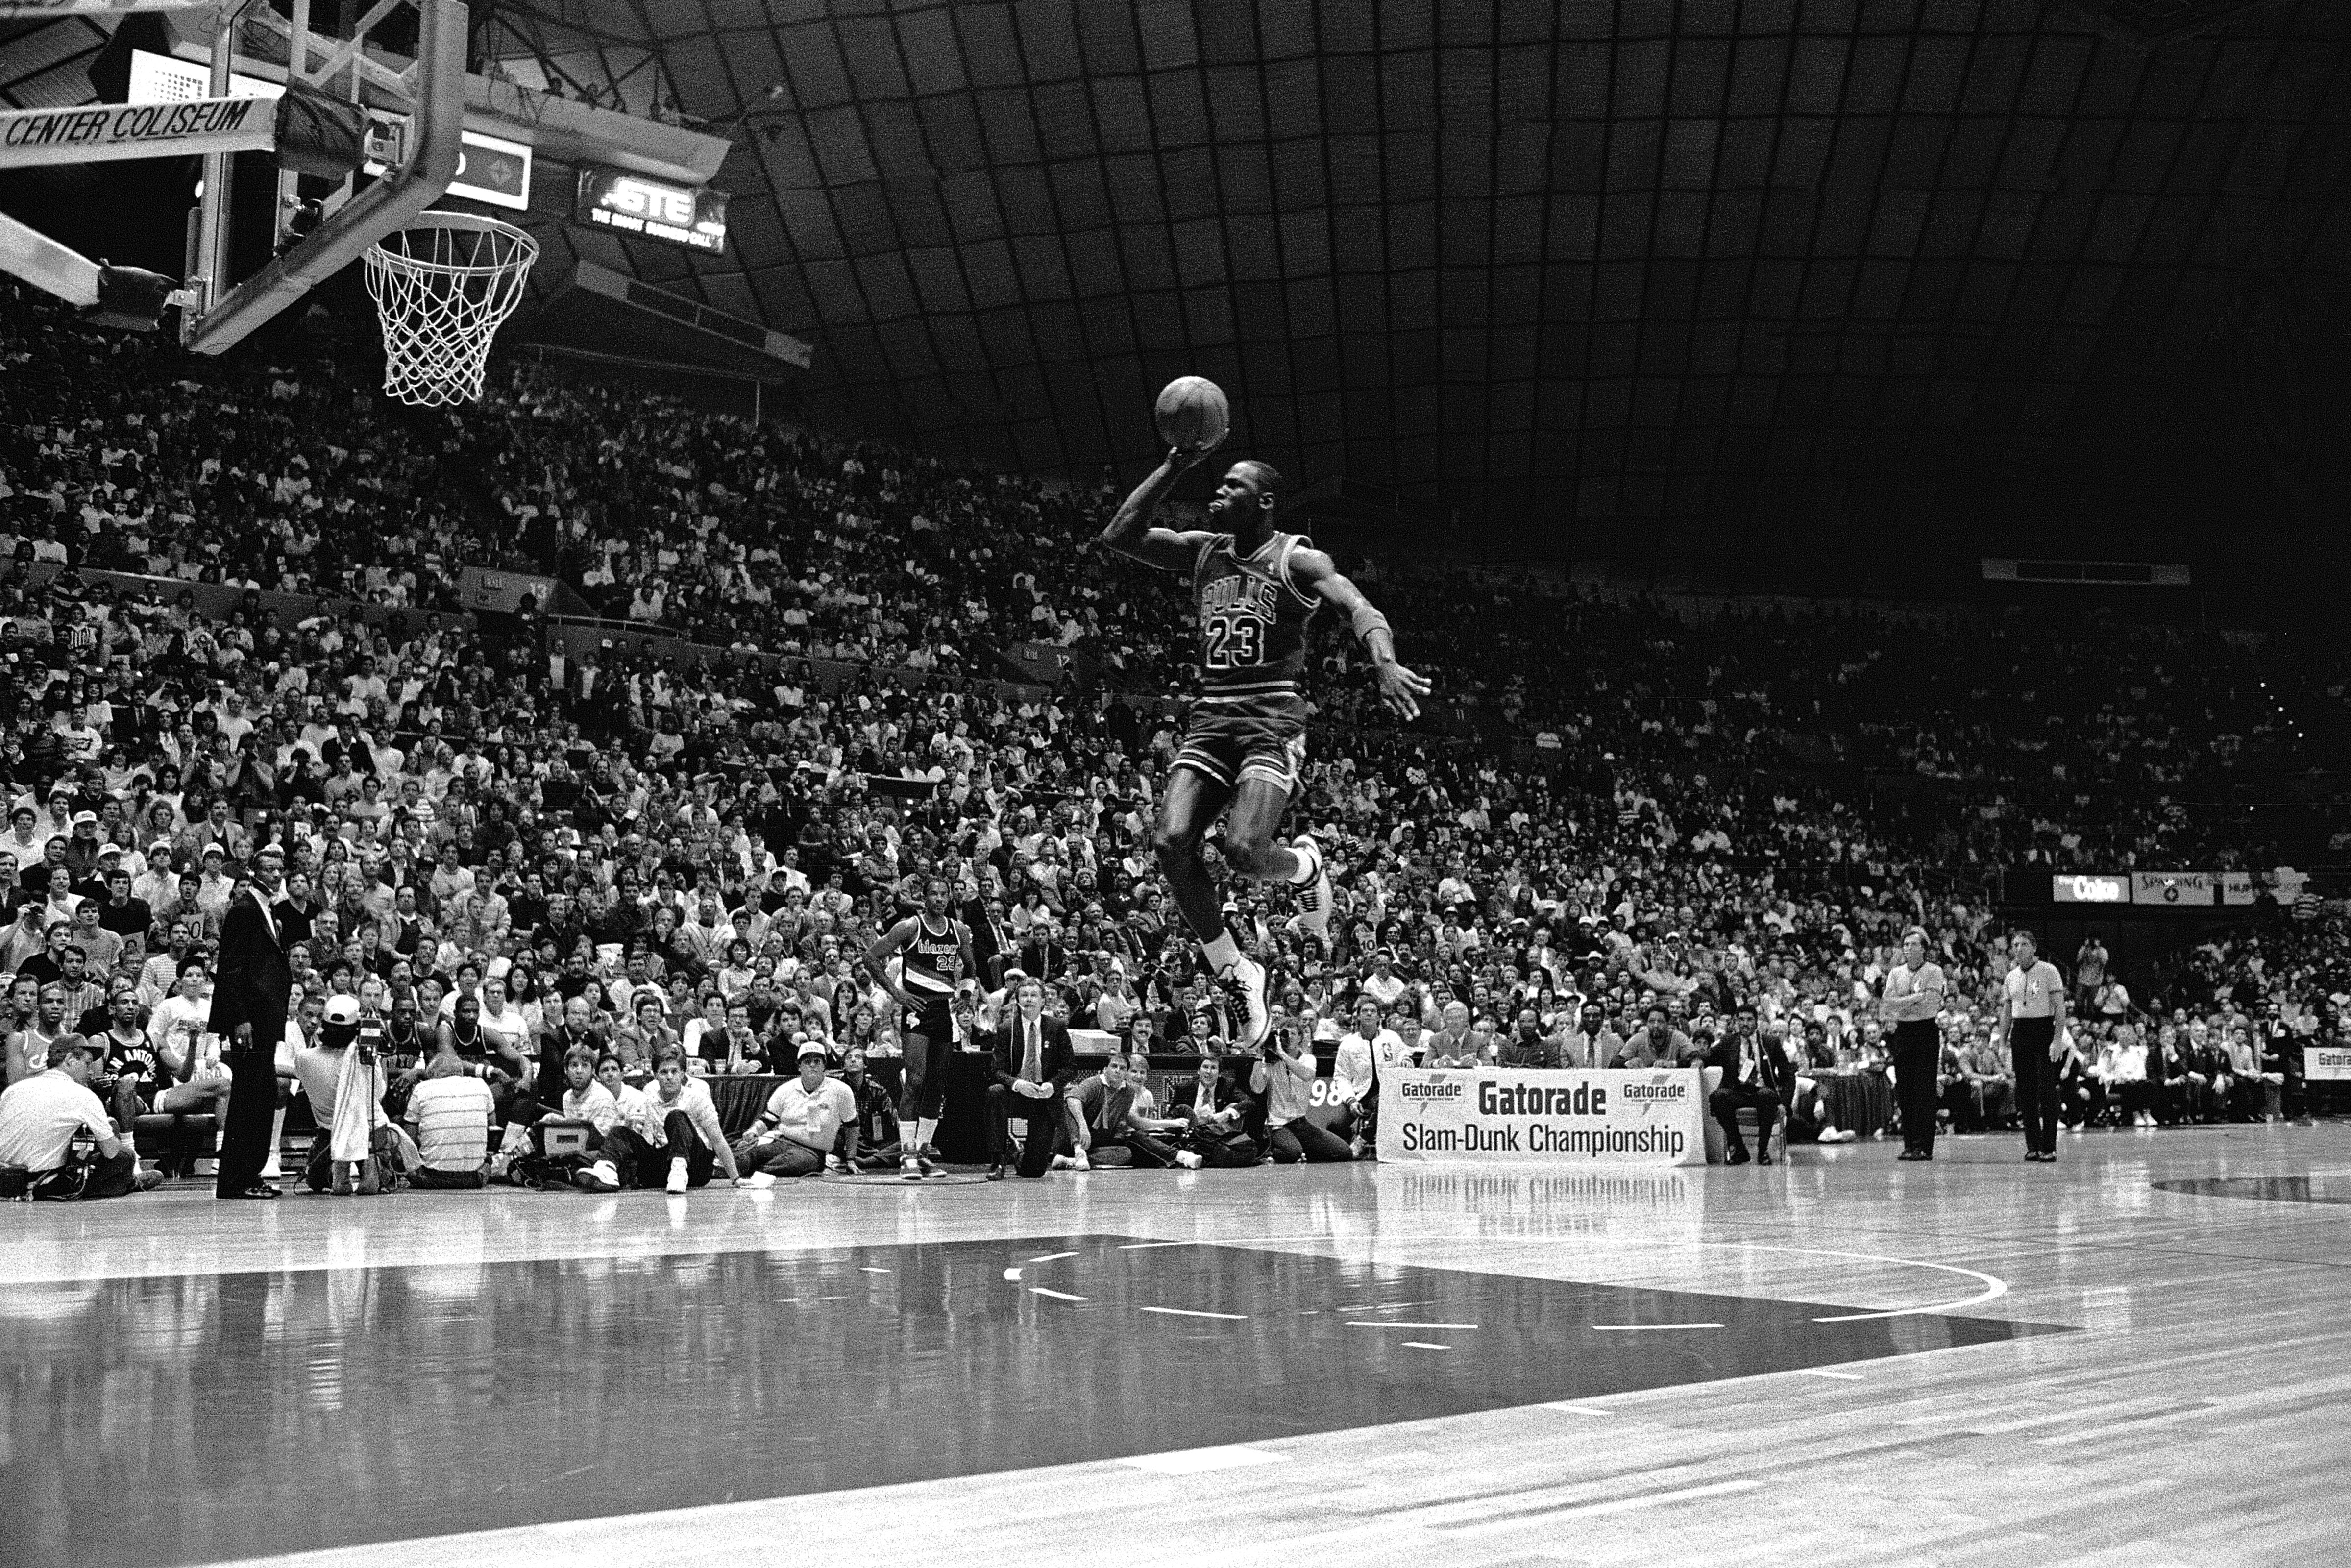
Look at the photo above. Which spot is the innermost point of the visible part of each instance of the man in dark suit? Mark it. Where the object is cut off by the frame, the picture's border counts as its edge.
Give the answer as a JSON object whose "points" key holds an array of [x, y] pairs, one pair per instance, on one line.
{"points": [[1218, 1113], [252, 985], [992, 941], [1034, 1065], [1755, 1071]]}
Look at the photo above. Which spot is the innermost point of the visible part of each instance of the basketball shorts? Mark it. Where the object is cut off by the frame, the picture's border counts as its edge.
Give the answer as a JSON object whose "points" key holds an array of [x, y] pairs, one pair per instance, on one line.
{"points": [[934, 1024], [1229, 747]]}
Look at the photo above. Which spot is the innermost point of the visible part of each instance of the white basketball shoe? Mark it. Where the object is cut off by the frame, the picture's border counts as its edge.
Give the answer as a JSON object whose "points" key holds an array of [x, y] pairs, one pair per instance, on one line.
{"points": [[1314, 893]]}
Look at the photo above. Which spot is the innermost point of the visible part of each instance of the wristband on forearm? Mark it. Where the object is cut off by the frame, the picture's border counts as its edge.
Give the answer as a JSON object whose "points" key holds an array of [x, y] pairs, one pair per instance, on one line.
{"points": [[1368, 619]]}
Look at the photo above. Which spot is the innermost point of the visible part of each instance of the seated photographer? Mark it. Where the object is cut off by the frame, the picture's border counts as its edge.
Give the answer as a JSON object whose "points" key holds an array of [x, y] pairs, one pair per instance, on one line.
{"points": [[587, 1100], [41, 1116], [1101, 1111], [802, 1123], [320, 1062], [1215, 1113], [870, 1142], [1284, 1073]]}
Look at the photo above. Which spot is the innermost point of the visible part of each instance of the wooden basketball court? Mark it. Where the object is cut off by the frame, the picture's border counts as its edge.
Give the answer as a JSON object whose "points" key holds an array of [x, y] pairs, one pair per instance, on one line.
{"points": [[2137, 1355]]}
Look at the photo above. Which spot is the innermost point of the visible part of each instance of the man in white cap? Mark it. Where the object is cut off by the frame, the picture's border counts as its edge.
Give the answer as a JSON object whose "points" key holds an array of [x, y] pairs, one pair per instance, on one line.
{"points": [[801, 1124], [323, 1068]]}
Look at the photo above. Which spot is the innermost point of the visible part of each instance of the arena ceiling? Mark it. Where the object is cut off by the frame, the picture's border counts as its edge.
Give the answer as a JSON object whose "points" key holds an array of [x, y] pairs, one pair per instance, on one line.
{"points": [[1624, 273], [1642, 265]]}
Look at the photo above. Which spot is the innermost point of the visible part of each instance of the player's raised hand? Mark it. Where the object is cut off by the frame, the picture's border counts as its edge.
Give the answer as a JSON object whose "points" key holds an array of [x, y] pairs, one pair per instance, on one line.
{"points": [[1179, 458], [1401, 689]]}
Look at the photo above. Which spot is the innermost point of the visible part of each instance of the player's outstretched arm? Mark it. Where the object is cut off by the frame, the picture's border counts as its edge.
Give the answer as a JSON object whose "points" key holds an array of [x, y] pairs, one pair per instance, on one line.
{"points": [[1399, 687], [1130, 531]]}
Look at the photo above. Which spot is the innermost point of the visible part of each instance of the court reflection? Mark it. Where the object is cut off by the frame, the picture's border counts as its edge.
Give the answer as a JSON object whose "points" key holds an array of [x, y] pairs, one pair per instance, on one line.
{"points": [[2267, 1189], [192, 1418]]}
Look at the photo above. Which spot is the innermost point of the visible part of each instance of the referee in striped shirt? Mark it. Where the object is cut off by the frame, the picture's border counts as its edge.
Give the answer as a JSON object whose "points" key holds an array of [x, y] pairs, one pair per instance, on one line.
{"points": [[2032, 1017], [1913, 1004]]}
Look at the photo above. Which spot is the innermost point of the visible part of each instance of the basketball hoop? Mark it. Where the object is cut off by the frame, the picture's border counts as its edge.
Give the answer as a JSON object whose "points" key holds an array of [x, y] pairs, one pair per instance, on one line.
{"points": [[442, 284]]}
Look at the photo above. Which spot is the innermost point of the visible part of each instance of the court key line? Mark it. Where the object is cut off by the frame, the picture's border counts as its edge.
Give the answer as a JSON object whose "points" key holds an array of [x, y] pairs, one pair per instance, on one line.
{"points": [[1057, 1295], [1615, 1505], [1647, 1328], [1387, 1326], [1187, 1313], [1994, 1289]]}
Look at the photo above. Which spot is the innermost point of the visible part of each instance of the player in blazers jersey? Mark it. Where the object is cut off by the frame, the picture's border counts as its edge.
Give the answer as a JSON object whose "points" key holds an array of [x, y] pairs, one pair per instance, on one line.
{"points": [[935, 953], [1256, 589]]}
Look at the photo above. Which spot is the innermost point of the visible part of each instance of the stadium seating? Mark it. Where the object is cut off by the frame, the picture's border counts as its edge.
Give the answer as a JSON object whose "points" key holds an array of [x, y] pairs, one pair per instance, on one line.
{"points": [[242, 585]]}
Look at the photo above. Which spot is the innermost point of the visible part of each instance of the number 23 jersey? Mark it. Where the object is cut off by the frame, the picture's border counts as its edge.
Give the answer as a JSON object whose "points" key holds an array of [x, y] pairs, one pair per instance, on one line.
{"points": [[1252, 625]]}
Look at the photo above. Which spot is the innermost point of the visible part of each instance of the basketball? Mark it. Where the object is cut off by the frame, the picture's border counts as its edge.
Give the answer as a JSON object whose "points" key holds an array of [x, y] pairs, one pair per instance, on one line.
{"points": [[1192, 414]]}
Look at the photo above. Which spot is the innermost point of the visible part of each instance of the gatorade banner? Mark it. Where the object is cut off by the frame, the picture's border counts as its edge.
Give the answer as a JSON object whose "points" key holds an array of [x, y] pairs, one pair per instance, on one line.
{"points": [[1532, 1116], [2326, 1061]]}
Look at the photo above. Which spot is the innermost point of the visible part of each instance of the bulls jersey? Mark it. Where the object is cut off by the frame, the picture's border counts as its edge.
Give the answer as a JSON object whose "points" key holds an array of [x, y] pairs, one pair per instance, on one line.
{"points": [[933, 960], [1252, 625]]}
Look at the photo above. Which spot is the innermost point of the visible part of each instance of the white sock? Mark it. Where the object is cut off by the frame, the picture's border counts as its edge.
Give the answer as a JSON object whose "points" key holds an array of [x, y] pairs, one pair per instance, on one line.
{"points": [[925, 1126], [1310, 863], [1223, 952]]}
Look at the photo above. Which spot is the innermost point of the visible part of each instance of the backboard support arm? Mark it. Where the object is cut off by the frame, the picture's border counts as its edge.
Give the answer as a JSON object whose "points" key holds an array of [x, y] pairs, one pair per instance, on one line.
{"points": [[433, 154]]}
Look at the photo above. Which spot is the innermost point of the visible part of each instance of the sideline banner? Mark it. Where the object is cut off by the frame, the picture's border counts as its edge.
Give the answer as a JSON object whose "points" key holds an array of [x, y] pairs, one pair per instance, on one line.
{"points": [[2193, 888], [2327, 1062], [1532, 1115]]}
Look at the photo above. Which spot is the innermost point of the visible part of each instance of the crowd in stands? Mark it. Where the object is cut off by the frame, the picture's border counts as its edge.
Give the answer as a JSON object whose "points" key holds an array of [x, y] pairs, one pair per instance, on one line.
{"points": [[543, 878]]}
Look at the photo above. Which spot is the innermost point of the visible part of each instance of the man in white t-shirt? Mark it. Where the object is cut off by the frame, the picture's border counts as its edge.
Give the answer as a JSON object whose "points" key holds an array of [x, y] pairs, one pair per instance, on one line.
{"points": [[40, 1118], [801, 1123], [677, 1131]]}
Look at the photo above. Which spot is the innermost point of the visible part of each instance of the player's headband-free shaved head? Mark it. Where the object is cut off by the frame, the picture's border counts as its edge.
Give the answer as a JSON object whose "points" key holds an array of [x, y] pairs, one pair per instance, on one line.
{"points": [[1263, 475]]}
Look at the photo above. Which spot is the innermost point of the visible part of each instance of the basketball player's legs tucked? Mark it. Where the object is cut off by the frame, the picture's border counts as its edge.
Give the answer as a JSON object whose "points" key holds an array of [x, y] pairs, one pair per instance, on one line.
{"points": [[1252, 811]]}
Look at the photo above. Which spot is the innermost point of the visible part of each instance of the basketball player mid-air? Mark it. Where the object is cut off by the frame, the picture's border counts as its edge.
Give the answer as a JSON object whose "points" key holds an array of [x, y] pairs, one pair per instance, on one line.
{"points": [[936, 949], [1256, 589]]}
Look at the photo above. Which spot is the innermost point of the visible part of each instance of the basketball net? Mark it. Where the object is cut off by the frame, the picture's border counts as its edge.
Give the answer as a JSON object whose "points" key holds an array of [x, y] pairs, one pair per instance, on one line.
{"points": [[441, 287]]}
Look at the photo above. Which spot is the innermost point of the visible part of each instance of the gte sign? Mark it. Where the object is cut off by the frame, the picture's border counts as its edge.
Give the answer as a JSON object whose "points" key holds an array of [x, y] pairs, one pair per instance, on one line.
{"points": [[634, 203], [656, 203]]}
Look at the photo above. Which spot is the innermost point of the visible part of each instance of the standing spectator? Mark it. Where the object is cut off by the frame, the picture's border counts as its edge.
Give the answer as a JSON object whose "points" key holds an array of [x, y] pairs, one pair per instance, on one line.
{"points": [[249, 1003], [2089, 972]]}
